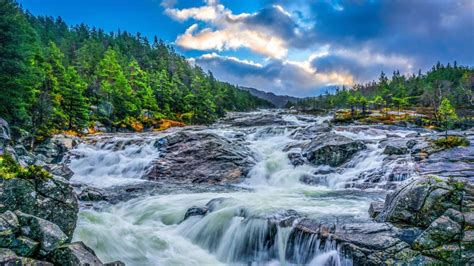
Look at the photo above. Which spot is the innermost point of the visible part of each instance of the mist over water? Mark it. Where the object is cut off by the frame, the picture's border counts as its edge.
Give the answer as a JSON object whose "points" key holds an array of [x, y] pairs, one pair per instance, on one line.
{"points": [[150, 230]]}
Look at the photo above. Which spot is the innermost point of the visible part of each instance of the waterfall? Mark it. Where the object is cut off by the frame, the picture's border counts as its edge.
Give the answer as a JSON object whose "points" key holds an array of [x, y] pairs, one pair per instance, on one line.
{"points": [[251, 226]]}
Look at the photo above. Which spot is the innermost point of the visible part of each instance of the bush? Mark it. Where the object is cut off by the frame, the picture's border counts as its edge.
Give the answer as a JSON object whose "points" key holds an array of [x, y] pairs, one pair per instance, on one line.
{"points": [[9, 168], [451, 142]]}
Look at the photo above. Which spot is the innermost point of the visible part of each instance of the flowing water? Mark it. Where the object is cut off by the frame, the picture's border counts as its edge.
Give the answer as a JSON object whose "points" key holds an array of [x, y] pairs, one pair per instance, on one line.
{"points": [[150, 230]]}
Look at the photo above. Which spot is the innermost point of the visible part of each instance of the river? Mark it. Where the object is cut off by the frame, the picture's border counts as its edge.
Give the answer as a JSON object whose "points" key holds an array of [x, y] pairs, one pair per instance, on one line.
{"points": [[237, 230]]}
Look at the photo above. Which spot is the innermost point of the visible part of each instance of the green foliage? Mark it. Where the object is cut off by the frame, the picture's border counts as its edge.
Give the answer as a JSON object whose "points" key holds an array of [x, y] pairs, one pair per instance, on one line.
{"points": [[447, 114], [9, 168], [455, 83], [55, 78], [451, 142]]}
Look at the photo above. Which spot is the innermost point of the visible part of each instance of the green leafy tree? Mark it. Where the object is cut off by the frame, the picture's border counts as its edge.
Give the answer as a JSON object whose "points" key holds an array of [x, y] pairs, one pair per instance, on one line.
{"points": [[447, 115]]}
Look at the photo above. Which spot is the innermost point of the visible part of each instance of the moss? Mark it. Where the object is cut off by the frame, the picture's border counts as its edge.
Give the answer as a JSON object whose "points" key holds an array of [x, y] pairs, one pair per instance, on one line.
{"points": [[9, 168], [451, 142]]}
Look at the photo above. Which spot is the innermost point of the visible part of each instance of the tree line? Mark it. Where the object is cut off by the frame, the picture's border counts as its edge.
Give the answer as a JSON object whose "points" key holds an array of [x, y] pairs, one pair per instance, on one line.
{"points": [[452, 84], [54, 77]]}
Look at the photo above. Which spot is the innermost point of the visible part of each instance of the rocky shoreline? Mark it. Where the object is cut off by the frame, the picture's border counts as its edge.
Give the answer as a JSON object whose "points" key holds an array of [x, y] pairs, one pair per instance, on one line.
{"points": [[427, 220]]}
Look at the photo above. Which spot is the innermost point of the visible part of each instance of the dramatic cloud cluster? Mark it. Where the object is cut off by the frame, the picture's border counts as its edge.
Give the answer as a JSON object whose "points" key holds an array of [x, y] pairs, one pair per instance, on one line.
{"points": [[307, 46]]}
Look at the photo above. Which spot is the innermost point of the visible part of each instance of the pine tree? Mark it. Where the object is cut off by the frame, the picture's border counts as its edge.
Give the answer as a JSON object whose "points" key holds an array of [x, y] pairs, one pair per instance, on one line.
{"points": [[74, 103]]}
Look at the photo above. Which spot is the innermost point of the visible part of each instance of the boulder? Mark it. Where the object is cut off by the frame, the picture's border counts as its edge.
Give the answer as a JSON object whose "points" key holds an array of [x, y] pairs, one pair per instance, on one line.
{"points": [[375, 208], [8, 257], [332, 149], [440, 231], [76, 253], [91, 194], [55, 148], [9, 227], [421, 201], [61, 170], [196, 211], [48, 235], [395, 149], [200, 157], [296, 158], [52, 199]]}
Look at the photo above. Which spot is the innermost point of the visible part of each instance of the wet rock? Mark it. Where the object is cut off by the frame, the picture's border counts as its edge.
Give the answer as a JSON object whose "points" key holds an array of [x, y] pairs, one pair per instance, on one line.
{"points": [[114, 263], [9, 258], [61, 170], [91, 194], [441, 231], [421, 201], [49, 235], [284, 218], [332, 150], [52, 200], [375, 208], [200, 157], [9, 227], [255, 119], [76, 253], [396, 148], [296, 158], [23, 246], [195, 211], [55, 148], [310, 132]]}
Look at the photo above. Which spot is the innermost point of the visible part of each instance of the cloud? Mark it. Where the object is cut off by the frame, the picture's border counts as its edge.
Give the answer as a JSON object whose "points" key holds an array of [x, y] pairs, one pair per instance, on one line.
{"points": [[280, 76], [343, 41], [268, 32]]}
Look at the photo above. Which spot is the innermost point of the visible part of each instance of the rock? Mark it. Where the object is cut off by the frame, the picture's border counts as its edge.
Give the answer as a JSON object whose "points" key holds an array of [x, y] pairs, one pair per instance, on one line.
{"points": [[91, 194], [332, 149], [55, 148], [52, 200], [392, 149], [49, 235], [114, 263], [420, 202], [195, 211], [9, 258], [23, 246], [310, 132], [442, 230], [296, 158], [9, 227], [256, 119], [200, 157], [375, 208], [76, 253], [4, 133], [61, 170]]}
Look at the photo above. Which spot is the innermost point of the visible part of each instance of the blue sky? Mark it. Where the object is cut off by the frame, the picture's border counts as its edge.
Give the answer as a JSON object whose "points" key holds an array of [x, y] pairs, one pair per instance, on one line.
{"points": [[292, 47]]}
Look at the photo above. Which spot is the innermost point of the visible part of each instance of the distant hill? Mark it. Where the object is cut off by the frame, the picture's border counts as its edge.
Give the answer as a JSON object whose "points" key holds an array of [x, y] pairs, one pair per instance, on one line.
{"points": [[278, 100]]}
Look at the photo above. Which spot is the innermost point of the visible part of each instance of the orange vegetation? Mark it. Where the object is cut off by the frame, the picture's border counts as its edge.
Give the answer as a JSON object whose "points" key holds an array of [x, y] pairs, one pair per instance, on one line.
{"points": [[166, 123]]}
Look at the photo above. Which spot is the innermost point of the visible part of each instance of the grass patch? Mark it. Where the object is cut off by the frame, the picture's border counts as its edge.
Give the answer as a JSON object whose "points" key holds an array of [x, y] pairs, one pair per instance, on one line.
{"points": [[9, 168], [451, 142]]}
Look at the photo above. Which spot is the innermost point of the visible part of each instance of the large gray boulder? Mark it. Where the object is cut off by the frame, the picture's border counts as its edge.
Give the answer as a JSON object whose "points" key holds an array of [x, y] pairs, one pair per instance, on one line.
{"points": [[9, 258], [332, 149], [49, 235], [76, 253], [201, 157], [53, 150], [52, 199]]}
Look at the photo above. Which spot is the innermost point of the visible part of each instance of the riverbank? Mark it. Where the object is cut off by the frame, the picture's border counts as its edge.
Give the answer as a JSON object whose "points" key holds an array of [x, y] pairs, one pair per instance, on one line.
{"points": [[268, 187]]}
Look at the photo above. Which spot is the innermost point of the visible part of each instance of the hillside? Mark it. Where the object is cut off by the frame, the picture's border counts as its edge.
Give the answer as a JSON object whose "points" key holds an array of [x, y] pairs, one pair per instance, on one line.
{"points": [[278, 100], [55, 77]]}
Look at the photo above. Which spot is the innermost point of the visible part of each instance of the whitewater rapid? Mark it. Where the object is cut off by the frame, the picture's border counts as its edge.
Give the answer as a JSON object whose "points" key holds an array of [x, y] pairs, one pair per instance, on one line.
{"points": [[150, 230]]}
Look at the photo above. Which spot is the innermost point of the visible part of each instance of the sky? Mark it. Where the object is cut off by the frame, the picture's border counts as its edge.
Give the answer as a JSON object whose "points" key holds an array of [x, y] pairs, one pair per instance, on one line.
{"points": [[290, 47]]}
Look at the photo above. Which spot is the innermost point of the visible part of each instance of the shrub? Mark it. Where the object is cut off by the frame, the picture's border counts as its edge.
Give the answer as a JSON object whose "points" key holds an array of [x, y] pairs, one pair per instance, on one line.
{"points": [[9, 168], [451, 142]]}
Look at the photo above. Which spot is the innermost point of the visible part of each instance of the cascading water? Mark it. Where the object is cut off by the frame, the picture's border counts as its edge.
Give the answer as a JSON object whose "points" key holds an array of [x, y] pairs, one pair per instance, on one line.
{"points": [[253, 225]]}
